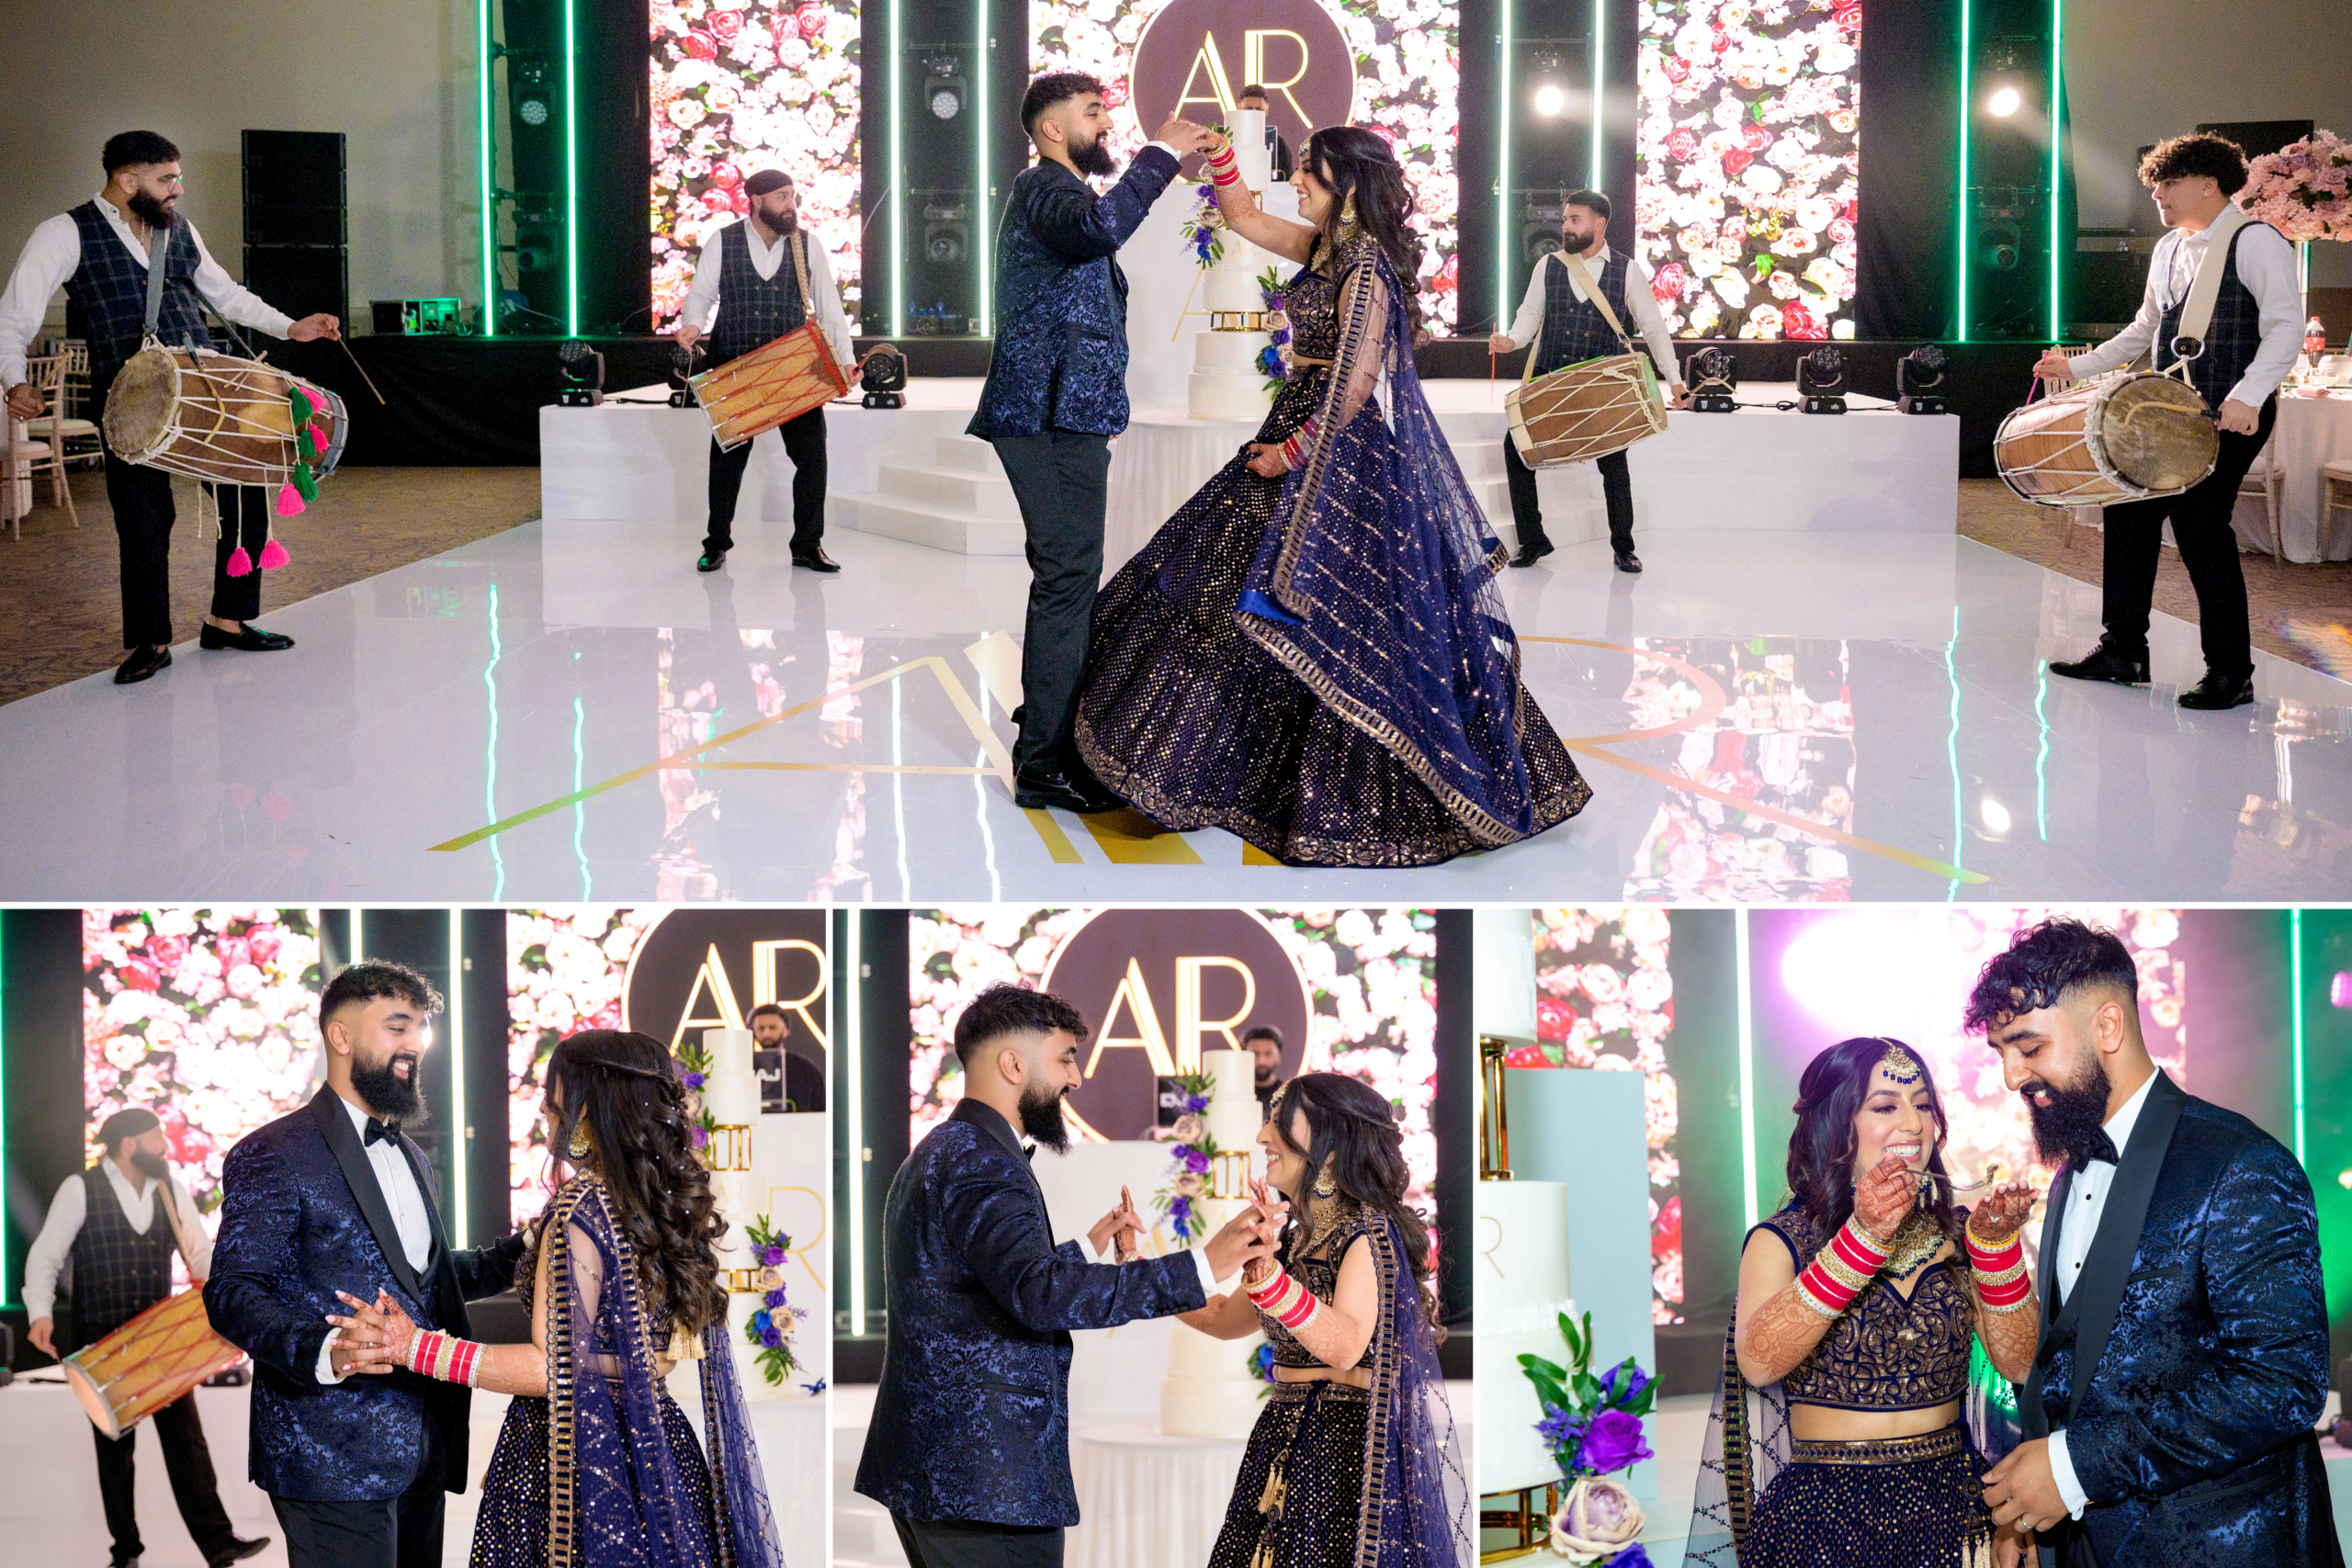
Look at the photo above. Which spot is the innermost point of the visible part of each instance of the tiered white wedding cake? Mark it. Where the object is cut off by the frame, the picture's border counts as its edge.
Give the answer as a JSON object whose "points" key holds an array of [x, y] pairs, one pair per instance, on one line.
{"points": [[1208, 1392], [1225, 382], [1522, 1262], [731, 1092]]}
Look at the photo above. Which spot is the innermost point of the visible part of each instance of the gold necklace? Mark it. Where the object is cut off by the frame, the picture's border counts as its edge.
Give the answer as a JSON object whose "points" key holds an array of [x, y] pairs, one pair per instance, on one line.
{"points": [[1916, 1241]]}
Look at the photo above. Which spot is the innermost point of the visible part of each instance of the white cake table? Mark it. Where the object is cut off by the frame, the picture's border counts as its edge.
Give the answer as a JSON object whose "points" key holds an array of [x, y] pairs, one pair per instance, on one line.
{"points": [[1148, 1500]]}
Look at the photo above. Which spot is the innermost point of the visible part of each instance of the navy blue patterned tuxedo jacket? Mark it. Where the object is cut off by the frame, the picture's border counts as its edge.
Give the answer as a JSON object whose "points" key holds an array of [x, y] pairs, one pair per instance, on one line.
{"points": [[2190, 1360], [1060, 361], [972, 1418], [304, 1217]]}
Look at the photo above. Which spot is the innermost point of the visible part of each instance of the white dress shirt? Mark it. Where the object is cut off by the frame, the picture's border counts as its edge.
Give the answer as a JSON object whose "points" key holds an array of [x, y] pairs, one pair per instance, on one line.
{"points": [[1648, 320], [53, 252], [52, 1249], [2085, 1201], [404, 1195], [702, 295], [1199, 1260], [2266, 265]]}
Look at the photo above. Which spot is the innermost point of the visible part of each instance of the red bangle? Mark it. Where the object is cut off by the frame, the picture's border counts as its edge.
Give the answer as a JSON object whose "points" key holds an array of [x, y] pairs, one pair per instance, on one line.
{"points": [[1842, 1270], [1286, 1301], [2002, 1283]]}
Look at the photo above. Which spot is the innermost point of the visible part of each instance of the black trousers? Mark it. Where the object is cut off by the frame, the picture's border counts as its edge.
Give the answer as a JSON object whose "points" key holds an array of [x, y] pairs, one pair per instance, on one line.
{"points": [[2208, 549], [1062, 480], [804, 443], [392, 1532], [187, 1461], [1616, 490], [141, 499], [957, 1543]]}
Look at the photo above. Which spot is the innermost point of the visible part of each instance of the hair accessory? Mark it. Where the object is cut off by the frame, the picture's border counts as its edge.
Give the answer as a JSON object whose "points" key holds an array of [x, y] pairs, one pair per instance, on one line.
{"points": [[578, 1147], [1901, 1064], [629, 1068]]}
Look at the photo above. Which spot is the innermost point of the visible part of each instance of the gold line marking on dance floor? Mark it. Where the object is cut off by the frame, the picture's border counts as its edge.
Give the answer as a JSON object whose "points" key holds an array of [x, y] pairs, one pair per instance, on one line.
{"points": [[1711, 703], [996, 660]]}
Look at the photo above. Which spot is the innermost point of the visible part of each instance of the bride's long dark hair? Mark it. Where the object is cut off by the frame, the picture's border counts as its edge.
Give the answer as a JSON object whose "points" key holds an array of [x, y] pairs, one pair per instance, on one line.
{"points": [[1360, 164], [1352, 1133], [624, 1086]]}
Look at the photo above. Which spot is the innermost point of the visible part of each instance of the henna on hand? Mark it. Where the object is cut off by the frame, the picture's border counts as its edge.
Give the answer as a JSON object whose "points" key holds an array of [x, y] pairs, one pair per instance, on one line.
{"points": [[1775, 1341]]}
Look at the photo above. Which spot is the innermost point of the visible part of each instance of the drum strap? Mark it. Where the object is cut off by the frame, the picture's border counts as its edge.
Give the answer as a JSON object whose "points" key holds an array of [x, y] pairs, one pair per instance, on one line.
{"points": [[159, 240], [2197, 314], [1583, 275]]}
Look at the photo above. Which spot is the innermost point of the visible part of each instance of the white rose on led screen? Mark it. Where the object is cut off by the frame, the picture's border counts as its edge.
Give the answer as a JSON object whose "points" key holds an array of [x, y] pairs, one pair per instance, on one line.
{"points": [[1834, 59], [1762, 178], [1733, 288], [1707, 264]]}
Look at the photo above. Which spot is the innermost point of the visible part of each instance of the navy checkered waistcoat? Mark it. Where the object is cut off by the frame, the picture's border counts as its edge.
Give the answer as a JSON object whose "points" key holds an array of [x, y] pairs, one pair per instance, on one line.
{"points": [[117, 1273], [111, 287], [1574, 330], [754, 310], [2230, 341]]}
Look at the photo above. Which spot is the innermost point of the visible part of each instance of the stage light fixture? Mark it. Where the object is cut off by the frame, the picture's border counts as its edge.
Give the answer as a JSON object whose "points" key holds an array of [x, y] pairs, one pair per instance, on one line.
{"points": [[944, 87], [1995, 815], [2003, 245], [583, 376], [1821, 380], [1713, 378], [2005, 101], [1916, 375], [883, 375], [1550, 99], [1538, 229], [527, 75]]}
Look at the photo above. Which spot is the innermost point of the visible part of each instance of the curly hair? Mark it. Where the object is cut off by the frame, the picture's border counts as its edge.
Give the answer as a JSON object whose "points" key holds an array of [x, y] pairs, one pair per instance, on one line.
{"points": [[1360, 165], [1352, 1133], [2200, 152], [372, 980], [625, 1086], [2046, 964], [1005, 1009], [1822, 1149]]}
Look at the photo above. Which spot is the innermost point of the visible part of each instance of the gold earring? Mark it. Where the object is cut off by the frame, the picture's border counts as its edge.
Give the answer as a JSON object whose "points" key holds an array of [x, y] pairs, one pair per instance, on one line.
{"points": [[1349, 227], [1324, 1186], [579, 1147]]}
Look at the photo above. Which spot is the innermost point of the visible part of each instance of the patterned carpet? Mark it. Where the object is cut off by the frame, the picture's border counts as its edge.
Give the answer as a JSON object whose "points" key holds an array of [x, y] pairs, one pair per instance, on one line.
{"points": [[62, 598]]}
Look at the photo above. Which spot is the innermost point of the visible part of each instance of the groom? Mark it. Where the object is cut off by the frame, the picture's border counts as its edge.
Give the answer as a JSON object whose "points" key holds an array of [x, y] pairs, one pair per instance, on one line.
{"points": [[1056, 394], [2184, 1347], [969, 1446], [333, 1197]]}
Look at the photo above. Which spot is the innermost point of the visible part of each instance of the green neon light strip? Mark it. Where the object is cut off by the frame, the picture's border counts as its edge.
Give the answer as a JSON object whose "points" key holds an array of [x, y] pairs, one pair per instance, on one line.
{"points": [[2057, 120], [1951, 746], [8, 1285], [489, 165], [981, 318], [1592, 172], [898, 168], [2295, 993], [571, 172], [1966, 88], [461, 1156], [1502, 176], [853, 1037], [1746, 1082]]}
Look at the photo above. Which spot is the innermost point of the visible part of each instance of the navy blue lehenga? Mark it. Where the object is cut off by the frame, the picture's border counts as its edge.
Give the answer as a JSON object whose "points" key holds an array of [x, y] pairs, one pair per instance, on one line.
{"points": [[1321, 664]]}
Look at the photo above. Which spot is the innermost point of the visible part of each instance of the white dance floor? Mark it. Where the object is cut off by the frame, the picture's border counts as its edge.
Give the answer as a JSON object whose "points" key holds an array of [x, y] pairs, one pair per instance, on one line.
{"points": [[568, 711]]}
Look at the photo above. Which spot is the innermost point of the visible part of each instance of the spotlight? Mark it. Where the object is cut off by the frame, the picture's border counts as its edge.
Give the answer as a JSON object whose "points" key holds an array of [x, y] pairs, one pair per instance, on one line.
{"points": [[2005, 101], [583, 376], [1821, 379], [883, 375], [2002, 245], [1995, 815], [944, 87], [1916, 375], [1550, 99], [1713, 377], [528, 82]]}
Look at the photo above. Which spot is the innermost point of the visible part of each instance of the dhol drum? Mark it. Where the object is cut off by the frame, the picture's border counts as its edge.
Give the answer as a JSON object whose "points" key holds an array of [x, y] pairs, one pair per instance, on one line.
{"points": [[2130, 436], [148, 1363], [1587, 410], [779, 380], [213, 416]]}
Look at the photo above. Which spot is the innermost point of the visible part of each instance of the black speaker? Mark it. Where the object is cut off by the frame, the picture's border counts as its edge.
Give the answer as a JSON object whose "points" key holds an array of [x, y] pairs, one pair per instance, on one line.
{"points": [[2256, 137], [294, 188], [301, 280]]}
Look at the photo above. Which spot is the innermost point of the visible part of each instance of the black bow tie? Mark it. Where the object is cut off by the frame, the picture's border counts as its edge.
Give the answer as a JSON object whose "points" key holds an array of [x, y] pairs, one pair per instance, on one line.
{"points": [[380, 1132], [2098, 1146]]}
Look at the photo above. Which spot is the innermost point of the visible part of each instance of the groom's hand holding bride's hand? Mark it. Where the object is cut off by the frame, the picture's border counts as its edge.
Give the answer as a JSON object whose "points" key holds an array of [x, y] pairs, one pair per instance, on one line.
{"points": [[1886, 1196], [1118, 1234], [1246, 1241], [376, 1338], [1266, 460]]}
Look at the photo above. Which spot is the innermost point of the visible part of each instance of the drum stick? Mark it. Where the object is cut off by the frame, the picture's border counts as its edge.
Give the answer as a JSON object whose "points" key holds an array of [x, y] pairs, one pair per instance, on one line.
{"points": [[361, 368]]}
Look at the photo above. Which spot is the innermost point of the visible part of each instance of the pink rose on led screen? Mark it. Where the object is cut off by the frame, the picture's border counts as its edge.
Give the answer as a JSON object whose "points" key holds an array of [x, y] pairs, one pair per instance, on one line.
{"points": [[1553, 1019], [725, 26], [1668, 282], [813, 21], [1798, 322]]}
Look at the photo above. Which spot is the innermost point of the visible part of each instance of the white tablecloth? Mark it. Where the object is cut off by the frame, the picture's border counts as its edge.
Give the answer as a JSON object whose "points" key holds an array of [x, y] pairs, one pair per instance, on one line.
{"points": [[2310, 434], [1148, 1500]]}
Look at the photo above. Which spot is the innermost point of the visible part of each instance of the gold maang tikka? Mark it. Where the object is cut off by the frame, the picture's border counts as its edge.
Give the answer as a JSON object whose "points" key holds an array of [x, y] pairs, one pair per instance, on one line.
{"points": [[1901, 1064]]}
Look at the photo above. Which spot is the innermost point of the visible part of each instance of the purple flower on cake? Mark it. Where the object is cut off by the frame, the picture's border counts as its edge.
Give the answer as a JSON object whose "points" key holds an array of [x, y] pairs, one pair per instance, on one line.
{"points": [[774, 1299], [1613, 1442], [772, 1338], [1197, 1102], [1560, 1428], [773, 1255], [693, 1080]]}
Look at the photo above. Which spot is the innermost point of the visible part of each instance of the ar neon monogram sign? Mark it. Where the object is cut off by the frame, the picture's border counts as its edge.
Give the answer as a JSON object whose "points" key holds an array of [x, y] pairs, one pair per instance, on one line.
{"points": [[1132, 1001], [1183, 63]]}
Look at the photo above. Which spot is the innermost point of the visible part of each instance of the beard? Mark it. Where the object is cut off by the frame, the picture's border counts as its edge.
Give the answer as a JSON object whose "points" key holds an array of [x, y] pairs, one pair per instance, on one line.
{"points": [[149, 1165], [391, 1096], [2062, 1128], [1094, 159], [781, 222], [155, 212], [1041, 1118]]}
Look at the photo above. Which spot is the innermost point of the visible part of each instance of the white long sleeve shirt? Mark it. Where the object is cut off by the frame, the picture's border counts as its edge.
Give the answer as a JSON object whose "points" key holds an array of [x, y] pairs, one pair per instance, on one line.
{"points": [[45, 1264], [1200, 1261], [2266, 265], [2085, 1201], [404, 1196], [49, 257], [1648, 320], [702, 295]]}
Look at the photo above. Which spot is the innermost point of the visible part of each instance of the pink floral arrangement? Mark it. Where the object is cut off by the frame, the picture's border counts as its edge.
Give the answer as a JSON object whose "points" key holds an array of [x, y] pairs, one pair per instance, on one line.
{"points": [[2303, 190], [565, 969]]}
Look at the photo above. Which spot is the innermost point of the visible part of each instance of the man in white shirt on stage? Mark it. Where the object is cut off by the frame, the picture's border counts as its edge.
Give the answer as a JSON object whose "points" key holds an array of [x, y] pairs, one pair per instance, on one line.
{"points": [[108, 1242], [2248, 348], [742, 276], [1567, 329]]}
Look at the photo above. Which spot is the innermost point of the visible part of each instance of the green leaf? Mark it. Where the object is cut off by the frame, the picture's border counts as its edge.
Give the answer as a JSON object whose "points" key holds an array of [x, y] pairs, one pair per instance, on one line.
{"points": [[1538, 1364], [1587, 1389]]}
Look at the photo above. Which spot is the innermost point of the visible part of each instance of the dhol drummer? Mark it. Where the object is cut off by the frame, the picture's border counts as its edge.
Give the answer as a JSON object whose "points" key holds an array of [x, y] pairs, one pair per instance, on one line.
{"points": [[2250, 345], [110, 1237], [98, 254], [1567, 329], [752, 273]]}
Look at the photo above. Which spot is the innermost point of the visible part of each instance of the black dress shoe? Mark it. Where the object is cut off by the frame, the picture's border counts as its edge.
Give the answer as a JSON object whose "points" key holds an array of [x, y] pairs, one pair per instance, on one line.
{"points": [[2103, 663], [143, 662], [2217, 692], [243, 1550], [1628, 561], [815, 560], [711, 561], [1032, 790], [252, 639], [1532, 551]]}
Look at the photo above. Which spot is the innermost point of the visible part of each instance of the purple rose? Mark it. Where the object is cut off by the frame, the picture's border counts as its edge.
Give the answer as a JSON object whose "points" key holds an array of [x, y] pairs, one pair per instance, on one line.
{"points": [[1632, 1557], [1196, 1103], [1633, 1381], [774, 1299], [693, 1080], [1612, 1442], [702, 1137], [1196, 1162], [772, 1338], [773, 1255]]}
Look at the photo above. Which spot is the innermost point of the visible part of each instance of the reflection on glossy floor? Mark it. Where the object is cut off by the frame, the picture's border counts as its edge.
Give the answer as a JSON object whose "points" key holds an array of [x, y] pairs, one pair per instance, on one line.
{"points": [[568, 712]]}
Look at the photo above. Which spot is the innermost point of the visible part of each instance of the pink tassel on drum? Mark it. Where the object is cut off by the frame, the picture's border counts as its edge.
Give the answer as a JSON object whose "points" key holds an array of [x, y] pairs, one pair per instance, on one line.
{"points": [[289, 501], [240, 563], [273, 555]]}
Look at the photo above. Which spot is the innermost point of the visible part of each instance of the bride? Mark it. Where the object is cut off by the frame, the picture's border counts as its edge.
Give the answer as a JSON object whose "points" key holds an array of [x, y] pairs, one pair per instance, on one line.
{"points": [[1352, 1463], [1312, 653], [597, 1464]]}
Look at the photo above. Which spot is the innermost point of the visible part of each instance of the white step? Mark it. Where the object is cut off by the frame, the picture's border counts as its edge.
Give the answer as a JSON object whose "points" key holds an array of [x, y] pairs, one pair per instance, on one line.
{"points": [[986, 495], [895, 517], [1480, 459], [969, 454]]}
